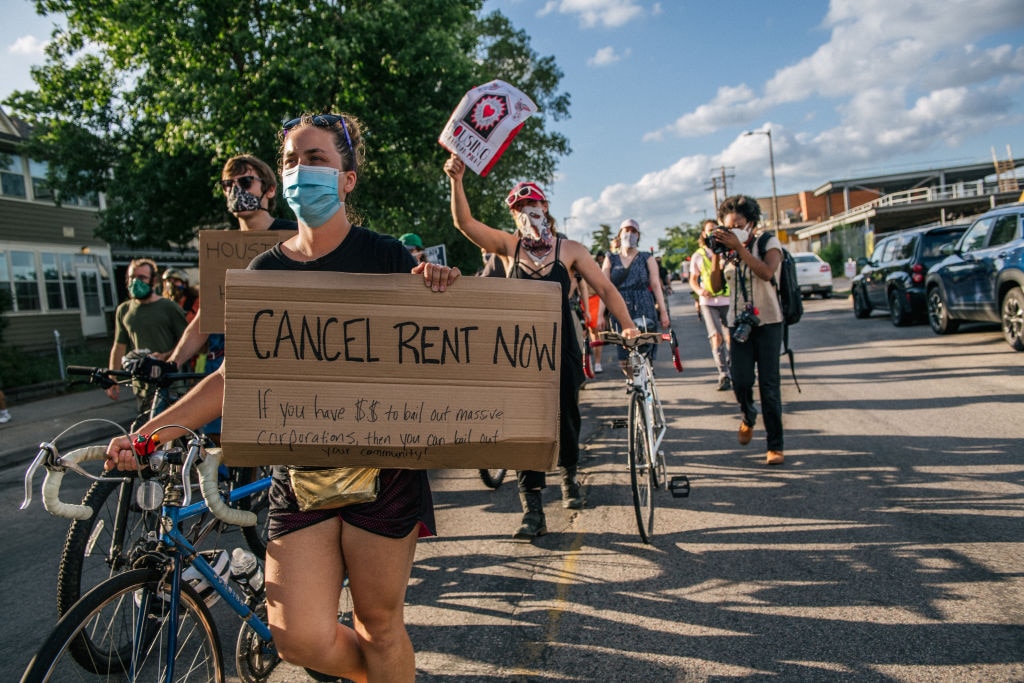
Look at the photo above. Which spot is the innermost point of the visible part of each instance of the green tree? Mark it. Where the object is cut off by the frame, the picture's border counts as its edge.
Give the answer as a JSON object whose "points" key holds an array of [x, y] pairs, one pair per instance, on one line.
{"points": [[679, 242], [601, 239], [143, 100]]}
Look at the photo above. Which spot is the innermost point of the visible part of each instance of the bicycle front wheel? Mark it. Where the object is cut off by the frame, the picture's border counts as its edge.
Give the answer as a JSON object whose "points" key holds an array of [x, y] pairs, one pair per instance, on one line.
{"points": [[99, 547], [641, 473], [127, 622]]}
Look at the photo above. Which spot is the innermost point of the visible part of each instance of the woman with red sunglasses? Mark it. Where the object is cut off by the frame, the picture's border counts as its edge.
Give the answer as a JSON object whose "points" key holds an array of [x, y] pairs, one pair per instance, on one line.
{"points": [[535, 251]]}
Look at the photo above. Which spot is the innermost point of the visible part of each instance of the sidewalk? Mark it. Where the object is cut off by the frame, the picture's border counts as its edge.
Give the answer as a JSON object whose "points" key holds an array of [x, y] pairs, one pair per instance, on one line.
{"points": [[37, 421]]}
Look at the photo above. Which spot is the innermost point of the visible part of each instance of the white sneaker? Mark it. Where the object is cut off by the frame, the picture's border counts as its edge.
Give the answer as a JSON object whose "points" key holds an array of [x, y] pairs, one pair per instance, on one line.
{"points": [[598, 368], [4, 416]]}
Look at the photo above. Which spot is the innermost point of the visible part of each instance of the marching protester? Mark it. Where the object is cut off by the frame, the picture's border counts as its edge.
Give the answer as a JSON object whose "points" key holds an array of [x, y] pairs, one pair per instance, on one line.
{"points": [[636, 276], [310, 552], [178, 290], [713, 304], [755, 318], [250, 190], [146, 321], [534, 252]]}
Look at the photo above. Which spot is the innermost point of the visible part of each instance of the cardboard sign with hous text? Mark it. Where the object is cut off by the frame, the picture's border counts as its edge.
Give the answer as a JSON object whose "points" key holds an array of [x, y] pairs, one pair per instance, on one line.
{"points": [[378, 370], [220, 250]]}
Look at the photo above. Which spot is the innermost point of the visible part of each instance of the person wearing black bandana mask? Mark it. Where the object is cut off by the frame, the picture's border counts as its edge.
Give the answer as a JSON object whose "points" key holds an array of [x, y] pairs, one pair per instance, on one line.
{"points": [[146, 321], [535, 251], [250, 190]]}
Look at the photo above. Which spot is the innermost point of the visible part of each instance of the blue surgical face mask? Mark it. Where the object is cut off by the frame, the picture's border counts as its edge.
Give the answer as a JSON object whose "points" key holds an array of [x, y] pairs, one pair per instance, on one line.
{"points": [[312, 193]]}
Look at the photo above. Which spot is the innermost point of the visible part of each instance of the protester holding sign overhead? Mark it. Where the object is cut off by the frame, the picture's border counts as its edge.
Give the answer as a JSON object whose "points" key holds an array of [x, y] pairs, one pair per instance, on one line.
{"points": [[534, 252], [311, 551]]}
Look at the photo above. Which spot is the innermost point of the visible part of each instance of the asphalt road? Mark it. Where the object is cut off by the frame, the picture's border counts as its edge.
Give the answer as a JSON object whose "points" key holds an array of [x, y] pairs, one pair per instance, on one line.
{"points": [[887, 548]]}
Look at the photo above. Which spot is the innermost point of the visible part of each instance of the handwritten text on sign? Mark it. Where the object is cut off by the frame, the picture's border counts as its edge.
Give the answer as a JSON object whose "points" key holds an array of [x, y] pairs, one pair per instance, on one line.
{"points": [[339, 369], [220, 250]]}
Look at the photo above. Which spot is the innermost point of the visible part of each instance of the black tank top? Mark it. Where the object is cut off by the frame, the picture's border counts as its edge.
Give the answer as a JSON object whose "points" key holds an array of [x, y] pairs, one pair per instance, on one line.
{"points": [[572, 355]]}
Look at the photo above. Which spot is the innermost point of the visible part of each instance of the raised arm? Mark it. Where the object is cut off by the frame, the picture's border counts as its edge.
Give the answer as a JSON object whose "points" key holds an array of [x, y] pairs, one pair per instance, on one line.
{"points": [[484, 236]]}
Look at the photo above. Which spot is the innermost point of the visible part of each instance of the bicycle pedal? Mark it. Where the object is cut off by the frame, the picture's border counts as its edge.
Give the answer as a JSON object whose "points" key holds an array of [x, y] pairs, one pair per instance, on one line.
{"points": [[619, 423], [679, 486]]}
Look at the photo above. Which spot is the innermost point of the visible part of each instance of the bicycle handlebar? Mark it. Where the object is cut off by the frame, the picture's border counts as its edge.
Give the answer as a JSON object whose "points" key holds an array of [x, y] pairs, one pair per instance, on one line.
{"points": [[108, 377], [57, 466], [642, 339]]}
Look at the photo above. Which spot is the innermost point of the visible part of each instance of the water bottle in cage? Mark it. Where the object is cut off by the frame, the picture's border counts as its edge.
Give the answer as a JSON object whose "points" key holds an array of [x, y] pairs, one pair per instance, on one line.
{"points": [[246, 571]]}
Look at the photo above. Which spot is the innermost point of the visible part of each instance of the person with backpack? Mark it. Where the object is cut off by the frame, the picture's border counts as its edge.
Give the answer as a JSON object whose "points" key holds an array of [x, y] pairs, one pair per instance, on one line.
{"points": [[751, 269]]}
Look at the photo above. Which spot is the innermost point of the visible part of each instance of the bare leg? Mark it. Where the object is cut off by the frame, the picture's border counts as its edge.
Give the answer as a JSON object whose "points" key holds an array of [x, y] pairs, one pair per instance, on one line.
{"points": [[305, 570]]}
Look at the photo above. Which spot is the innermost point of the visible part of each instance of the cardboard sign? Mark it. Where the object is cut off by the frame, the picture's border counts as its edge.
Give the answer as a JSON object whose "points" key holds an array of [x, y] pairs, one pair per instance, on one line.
{"points": [[377, 370], [220, 250], [484, 123]]}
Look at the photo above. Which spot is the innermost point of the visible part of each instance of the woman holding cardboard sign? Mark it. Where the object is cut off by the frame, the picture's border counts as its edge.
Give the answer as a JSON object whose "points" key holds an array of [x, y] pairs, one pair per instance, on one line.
{"points": [[536, 252], [312, 547]]}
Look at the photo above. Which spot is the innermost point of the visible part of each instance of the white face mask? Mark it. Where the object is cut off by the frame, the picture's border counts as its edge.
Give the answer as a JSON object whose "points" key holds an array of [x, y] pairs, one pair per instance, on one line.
{"points": [[629, 239], [742, 234]]}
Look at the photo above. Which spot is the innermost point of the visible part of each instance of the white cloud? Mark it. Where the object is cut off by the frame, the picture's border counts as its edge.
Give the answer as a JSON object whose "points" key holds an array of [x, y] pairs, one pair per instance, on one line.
{"points": [[903, 78], [912, 46], [27, 46], [592, 13], [606, 56]]}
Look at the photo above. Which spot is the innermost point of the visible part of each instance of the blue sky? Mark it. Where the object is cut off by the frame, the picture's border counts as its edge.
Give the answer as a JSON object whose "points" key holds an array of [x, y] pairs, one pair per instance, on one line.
{"points": [[662, 93]]}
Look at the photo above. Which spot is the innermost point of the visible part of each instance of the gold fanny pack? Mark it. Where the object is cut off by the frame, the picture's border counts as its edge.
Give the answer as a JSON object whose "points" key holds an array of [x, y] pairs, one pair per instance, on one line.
{"points": [[317, 489]]}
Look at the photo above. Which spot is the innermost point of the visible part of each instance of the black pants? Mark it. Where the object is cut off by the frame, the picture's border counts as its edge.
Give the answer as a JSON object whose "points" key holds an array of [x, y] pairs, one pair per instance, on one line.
{"points": [[761, 350], [568, 434]]}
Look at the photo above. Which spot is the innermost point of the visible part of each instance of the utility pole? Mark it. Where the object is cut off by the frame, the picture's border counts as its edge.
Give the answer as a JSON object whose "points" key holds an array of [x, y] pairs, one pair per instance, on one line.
{"points": [[720, 181]]}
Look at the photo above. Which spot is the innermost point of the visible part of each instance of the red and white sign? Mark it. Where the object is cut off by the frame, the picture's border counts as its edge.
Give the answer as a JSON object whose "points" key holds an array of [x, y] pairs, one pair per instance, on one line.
{"points": [[484, 123]]}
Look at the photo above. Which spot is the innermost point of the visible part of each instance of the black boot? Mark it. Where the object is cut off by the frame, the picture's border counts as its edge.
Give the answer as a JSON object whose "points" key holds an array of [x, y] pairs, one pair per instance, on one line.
{"points": [[572, 498], [534, 523]]}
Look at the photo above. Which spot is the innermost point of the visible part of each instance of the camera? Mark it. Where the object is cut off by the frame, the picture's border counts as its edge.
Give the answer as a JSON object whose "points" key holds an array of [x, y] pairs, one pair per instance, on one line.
{"points": [[716, 246], [745, 322]]}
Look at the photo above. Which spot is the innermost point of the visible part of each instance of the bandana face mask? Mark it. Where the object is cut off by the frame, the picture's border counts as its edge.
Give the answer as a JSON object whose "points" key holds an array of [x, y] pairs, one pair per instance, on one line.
{"points": [[538, 241], [241, 201]]}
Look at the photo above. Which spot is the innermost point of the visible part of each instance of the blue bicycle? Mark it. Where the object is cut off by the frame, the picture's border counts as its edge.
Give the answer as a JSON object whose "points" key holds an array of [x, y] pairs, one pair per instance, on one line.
{"points": [[152, 622]]}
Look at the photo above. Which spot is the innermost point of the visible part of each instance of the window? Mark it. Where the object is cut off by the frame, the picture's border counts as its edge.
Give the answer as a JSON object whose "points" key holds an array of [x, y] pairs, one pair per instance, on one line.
{"points": [[12, 178], [40, 188], [976, 234], [1005, 230], [878, 256], [6, 288], [26, 284], [906, 248], [107, 278], [51, 282], [68, 280]]}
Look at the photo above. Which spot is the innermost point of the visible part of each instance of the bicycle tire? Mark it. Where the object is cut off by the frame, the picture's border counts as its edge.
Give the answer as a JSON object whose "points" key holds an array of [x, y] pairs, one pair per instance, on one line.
{"points": [[641, 475], [492, 478], [110, 614], [81, 567]]}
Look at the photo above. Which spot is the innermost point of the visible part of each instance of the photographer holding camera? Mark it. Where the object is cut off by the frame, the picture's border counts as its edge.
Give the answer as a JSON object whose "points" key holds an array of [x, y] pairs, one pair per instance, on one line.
{"points": [[755, 314]]}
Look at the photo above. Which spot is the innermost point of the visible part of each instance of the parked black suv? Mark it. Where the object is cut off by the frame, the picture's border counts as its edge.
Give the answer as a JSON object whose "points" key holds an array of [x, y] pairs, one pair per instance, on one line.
{"points": [[893, 278], [982, 278]]}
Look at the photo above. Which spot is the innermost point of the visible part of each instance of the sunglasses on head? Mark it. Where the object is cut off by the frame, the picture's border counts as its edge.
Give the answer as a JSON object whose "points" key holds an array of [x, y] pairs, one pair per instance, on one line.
{"points": [[244, 182], [324, 121], [524, 192]]}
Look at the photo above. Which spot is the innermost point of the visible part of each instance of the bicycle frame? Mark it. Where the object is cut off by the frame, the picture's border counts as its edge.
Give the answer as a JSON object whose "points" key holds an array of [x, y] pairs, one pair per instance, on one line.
{"points": [[171, 536], [643, 383]]}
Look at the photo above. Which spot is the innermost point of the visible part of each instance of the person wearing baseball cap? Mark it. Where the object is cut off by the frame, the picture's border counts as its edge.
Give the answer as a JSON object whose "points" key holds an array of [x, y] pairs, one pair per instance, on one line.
{"points": [[414, 244], [535, 251]]}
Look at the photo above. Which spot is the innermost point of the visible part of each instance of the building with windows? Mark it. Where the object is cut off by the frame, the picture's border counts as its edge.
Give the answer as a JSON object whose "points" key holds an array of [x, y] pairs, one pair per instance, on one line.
{"points": [[55, 274]]}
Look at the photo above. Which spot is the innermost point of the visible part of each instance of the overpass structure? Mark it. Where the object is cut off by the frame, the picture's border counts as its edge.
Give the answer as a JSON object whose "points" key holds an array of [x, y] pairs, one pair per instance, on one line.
{"points": [[919, 197]]}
